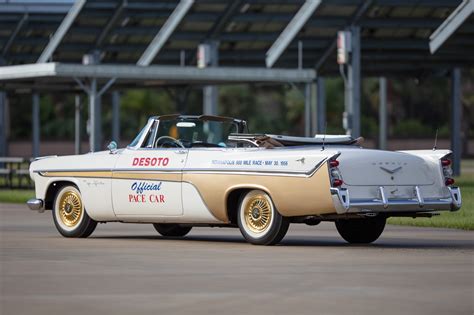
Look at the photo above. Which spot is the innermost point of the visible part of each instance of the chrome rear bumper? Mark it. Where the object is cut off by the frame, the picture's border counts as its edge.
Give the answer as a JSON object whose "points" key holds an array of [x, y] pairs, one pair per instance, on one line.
{"points": [[36, 204], [344, 204]]}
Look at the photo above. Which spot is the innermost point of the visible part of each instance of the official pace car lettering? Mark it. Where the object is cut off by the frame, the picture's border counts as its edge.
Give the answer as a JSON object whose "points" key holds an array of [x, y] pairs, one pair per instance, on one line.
{"points": [[150, 161], [141, 188], [251, 162]]}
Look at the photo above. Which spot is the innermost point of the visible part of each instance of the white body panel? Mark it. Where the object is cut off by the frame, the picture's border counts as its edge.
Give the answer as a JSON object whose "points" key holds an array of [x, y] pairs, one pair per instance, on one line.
{"points": [[169, 185], [96, 192], [256, 160], [145, 196]]}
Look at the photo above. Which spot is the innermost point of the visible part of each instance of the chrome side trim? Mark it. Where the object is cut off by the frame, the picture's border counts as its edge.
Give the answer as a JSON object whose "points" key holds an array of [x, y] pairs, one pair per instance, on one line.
{"points": [[35, 204]]}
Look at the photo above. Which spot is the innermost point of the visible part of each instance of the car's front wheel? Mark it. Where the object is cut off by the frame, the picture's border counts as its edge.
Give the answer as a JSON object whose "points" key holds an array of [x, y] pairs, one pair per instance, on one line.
{"points": [[172, 230], [361, 231], [70, 216], [259, 221]]}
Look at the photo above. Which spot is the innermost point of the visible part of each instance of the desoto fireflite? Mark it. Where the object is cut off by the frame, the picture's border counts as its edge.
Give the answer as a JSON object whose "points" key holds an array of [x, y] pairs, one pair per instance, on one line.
{"points": [[185, 171]]}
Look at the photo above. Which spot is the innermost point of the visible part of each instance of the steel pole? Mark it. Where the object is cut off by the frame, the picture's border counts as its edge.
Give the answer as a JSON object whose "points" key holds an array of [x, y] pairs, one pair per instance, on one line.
{"points": [[321, 105], [3, 124], [36, 124], [116, 116], [77, 125], [456, 114], [211, 92], [355, 79], [94, 117], [383, 113], [307, 110]]}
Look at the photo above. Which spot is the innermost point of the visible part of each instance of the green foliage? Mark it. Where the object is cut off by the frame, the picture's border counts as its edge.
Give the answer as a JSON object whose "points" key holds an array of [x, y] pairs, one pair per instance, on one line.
{"points": [[417, 107], [412, 128]]}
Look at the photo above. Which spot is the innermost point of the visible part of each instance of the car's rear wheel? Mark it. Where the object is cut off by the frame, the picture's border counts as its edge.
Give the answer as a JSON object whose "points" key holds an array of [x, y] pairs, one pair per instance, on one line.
{"points": [[259, 221], [361, 231], [172, 230], [69, 215]]}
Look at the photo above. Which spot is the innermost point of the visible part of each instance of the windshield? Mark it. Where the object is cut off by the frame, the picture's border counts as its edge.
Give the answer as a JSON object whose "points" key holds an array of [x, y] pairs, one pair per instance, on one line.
{"points": [[195, 132], [186, 132], [137, 138]]}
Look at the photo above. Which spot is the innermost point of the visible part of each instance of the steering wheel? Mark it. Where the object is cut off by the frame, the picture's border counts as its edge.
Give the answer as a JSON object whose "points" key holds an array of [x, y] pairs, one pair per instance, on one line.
{"points": [[174, 141]]}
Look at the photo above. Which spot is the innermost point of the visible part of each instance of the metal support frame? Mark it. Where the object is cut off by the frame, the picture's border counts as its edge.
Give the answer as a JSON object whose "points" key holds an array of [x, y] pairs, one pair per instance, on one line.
{"points": [[14, 34], [354, 20], [307, 109], [110, 23], [187, 74], [116, 116], [383, 127], [95, 119], [352, 86], [61, 31], [211, 92], [3, 123], [314, 109], [95, 110], [165, 32], [456, 116], [321, 106], [451, 24], [35, 118], [290, 31], [77, 125], [230, 11]]}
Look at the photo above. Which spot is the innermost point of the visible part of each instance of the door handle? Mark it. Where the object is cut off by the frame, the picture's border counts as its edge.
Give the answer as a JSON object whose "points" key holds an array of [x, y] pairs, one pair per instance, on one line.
{"points": [[181, 152]]}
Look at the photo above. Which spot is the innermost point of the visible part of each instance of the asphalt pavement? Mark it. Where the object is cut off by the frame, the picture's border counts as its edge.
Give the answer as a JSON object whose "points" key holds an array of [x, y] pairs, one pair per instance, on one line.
{"points": [[130, 269]]}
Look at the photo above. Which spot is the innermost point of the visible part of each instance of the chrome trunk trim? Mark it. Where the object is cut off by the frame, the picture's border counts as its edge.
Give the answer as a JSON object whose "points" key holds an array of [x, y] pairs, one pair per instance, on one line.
{"points": [[344, 204]]}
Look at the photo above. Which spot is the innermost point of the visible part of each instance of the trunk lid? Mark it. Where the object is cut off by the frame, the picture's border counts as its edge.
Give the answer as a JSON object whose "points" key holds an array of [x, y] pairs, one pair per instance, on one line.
{"points": [[363, 167]]}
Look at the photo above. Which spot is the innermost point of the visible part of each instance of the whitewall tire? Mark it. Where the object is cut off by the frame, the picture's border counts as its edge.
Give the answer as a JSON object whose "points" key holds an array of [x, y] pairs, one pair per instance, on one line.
{"points": [[259, 221], [69, 215]]}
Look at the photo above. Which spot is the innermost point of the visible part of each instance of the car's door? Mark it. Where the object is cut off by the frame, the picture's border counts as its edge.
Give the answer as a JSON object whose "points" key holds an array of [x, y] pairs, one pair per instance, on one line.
{"points": [[147, 182]]}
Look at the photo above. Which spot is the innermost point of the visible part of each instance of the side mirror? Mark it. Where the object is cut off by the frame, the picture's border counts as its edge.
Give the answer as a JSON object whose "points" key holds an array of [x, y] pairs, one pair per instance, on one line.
{"points": [[112, 147]]}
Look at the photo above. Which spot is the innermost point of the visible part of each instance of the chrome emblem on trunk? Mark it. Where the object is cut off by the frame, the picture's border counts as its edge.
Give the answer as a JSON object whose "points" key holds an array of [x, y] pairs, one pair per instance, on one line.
{"points": [[390, 171]]}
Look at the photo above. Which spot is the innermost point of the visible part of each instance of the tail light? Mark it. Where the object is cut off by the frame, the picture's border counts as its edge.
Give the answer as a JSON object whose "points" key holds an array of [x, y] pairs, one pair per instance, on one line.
{"points": [[445, 162], [447, 171], [334, 163], [334, 174], [449, 181]]}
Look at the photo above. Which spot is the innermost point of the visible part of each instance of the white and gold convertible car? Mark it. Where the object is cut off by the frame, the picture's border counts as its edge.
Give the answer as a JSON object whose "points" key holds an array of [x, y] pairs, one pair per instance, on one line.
{"points": [[185, 171]]}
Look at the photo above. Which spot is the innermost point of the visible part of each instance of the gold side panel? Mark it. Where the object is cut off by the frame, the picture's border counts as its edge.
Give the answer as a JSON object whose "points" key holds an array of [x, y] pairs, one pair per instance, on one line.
{"points": [[167, 177], [293, 196]]}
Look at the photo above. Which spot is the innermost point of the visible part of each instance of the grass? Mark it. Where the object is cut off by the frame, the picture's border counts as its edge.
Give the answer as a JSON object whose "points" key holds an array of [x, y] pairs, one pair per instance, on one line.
{"points": [[16, 195], [462, 219]]}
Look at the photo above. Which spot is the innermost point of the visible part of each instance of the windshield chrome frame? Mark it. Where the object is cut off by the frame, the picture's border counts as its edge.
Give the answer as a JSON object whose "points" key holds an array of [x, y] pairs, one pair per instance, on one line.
{"points": [[145, 133]]}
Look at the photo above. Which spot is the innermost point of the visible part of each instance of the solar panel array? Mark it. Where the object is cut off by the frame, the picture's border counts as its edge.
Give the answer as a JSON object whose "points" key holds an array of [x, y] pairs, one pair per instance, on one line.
{"points": [[394, 33]]}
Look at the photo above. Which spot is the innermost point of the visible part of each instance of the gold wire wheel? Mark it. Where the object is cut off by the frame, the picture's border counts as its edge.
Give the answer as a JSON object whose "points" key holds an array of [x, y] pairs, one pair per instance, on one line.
{"points": [[70, 208], [258, 213]]}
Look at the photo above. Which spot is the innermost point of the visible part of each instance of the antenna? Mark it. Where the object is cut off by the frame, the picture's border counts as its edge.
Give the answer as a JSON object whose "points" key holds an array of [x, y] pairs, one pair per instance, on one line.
{"points": [[324, 135], [436, 140]]}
